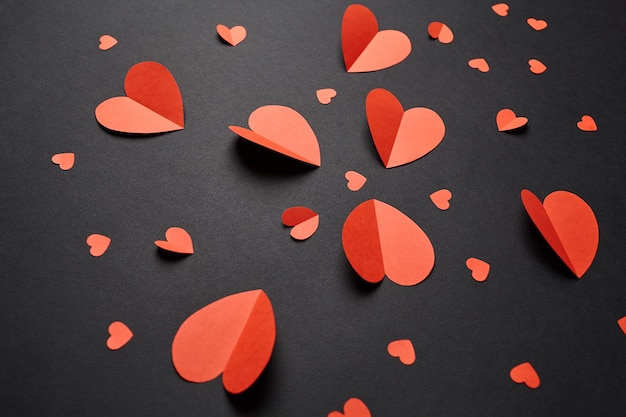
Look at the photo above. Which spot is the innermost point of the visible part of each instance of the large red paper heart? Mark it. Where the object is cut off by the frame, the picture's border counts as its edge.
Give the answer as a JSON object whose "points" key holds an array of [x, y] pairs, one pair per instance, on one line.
{"points": [[380, 240], [401, 136], [352, 408], [233, 336], [283, 130], [569, 226], [152, 104], [177, 240], [364, 47]]}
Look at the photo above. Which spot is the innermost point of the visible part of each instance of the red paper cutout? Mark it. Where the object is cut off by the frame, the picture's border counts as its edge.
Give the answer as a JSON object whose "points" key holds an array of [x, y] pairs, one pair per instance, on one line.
{"points": [[303, 220], [233, 36], [120, 334], [537, 24], [524, 373], [177, 240], [98, 244], [501, 9], [380, 240], [355, 180], [233, 336], [536, 66], [403, 350], [441, 199], [441, 32], [65, 161], [480, 269], [366, 49], [325, 95], [507, 121], [479, 63], [622, 324], [283, 130], [352, 408], [587, 124], [153, 103], [401, 136], [569, 226], [107, 42]]}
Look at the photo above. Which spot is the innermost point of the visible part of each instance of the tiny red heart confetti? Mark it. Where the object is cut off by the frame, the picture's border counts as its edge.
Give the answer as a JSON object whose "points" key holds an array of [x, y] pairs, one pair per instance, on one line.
{"points": [[622, 324], [587, 124], [479, 63], [352, 408], [177, 241], [98, 244], [480, 269], [120, 334], [501, 9], [507, 121], [65, 161], [355, 180], [325, 95], [107, 42], [524, 373], [441, 199], [536, 66], [537, 24], [402, 349]]}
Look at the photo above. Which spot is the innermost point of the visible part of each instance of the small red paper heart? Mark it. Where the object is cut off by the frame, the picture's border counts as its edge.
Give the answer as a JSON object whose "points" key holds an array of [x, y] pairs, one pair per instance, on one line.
{"points": [[536, 66], [107, 42], [98, 243], [441, 199], [587, 124], [403, 350], [622, 324], [120, 334], [480, 269], [537, 24], [65, 161], [303, 220], [352, 408], [177, 240], [441, 32], [501, 9], [355, 180], [233, 35], [325, 95], [507, 121], [479, 63], [524, 373]]}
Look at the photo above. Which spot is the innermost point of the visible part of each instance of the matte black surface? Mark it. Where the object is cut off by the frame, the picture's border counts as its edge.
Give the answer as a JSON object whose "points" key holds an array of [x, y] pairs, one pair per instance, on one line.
{"points": [[56, 301]]}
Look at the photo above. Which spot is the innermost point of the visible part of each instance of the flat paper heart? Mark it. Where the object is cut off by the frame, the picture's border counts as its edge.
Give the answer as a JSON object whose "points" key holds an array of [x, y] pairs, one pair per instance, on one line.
{"points": [[364, 47], [587, 124], [177, 240], [569, 226], [441, 199], [119, 335], [233, 336], [536, 66], [352, 408], [380, 240], [537, 24], [441, 32], [65, 161], [401, 136], [622, 324], [479, 63], [501, 9], [480, 269], [507, 121], [403, 350], [325, 95], [355, 180], [107, 42], [524, 373], [303, 220], [152, 104], [283, 130], [98, 244], [233, 35]]}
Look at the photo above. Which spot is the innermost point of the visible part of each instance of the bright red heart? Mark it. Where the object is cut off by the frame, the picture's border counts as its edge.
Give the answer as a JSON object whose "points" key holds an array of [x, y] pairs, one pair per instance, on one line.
{"points": [[441, 32], [120, 334], [569, 226], [177, 240], [524, 373], [479, 63], [233, 336], [587, 124], [480, 269], [364, 47], [507, 121], [352, 408], [537, 24], [153, 103], [402, 349], [401, 136], [65, 161], [501, 9], [536, 66], [233, 36], [441, 199], [303, 220], [98, 244]]}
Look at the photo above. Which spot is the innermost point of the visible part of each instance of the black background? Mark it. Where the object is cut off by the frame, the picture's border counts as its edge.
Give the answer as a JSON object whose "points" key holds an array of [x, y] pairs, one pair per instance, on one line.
{"points": [[56, 301]]}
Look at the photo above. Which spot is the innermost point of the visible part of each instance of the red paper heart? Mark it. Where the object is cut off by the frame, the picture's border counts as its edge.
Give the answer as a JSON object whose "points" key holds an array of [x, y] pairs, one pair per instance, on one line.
{"points": [[65, 161], [479, 63], [537, 24], [380, 240], [587, 124], [524, 373], [480, 269], [233, 336], [507, 121], [403, 350], [352, 408], [364, 47], [120, 334], [622, 324], [107, 42], [152, 104], [233, 35], [303, 220], [441, 32], [401, 136], [177, 240], [501, 9], [325, 95], [283, 130], [98, 244], [569, 226], [355, 180], [441, 199], [536, 66]]}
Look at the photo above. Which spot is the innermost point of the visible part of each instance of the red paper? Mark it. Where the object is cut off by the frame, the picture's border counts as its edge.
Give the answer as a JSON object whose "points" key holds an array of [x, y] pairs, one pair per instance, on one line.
{"points": [[524, 373], [507, 121], [65, 161], [107, 42], [119, 335], [537, 24], [355, 180], [441, 199], [441, 32], [98, 244], [479, 63], [622, 324], [501, 9], [587, 124], [352, 408], [177, 241], [233, 336], [401, 136], [303, 220], [380, 240], [480, 269], [233, 36], [325, 95], [402, 349], [536, 66]]}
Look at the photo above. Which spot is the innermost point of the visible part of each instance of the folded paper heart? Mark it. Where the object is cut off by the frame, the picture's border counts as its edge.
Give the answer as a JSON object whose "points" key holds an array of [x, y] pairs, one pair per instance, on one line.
{"points": [[283, 130], [441, 199], [233, 36], [441, 32], [402, 349], [364, 47], [303, 220], [480, 269], [152, 104], [119, 335], [501, 9], [355, 180], [587, 124], [507, 121], [479, 63], [536, 66], [325, 95], [177, 240], [537, 24], [401, 136], [569, 226], [380, 240], [352, 408], [98, 244], [107, 42], [524, 373], [65, 161]]}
